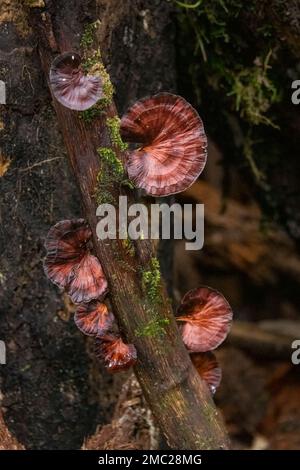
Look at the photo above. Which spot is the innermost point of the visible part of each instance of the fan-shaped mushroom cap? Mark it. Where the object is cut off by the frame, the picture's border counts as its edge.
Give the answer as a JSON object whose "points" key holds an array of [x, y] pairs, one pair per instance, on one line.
{"points": [[174, 144], [208, 368], [87, 281], [70, 86], [70, 265], [66, 246], [117, 355], [93, 319], [207, 316]]}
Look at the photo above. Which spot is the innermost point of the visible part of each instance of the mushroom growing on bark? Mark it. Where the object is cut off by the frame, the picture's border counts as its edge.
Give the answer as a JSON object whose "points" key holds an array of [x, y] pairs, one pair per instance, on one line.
{"points": [[173, 144], [70, 86], [117, 355], [69, 263], [93, 319], [206, 317], [208, 368]]}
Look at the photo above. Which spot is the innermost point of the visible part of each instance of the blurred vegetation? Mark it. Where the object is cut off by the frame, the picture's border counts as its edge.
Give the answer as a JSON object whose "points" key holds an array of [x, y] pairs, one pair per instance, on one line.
{"points": [[238, 67]]}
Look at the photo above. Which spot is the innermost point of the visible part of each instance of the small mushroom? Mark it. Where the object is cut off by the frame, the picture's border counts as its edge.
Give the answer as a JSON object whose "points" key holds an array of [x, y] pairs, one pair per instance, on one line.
{"points": [[70, 86], [87, 281], [208, 368], [173, 144], [93, 319], [207, 319], [117, 355], [70, 265]]}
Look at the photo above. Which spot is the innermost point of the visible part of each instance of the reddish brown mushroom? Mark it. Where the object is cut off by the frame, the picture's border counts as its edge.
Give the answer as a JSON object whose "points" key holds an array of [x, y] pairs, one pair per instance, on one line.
{"points": [[117, 355], [208, 368], [93, 319], [70, 265], [207, 319], [87, 281], [174, 144], [70, 86]]}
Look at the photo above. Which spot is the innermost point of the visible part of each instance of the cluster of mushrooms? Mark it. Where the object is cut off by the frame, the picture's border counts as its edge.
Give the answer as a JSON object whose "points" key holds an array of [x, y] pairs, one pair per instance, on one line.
{"points": [[171, 156]]}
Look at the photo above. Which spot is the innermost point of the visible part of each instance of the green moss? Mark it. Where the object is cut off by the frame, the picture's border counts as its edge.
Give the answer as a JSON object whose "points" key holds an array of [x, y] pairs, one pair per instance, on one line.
{"points": [[254, 92], [111, 173], [90, 114], [115, 164], [113, 125], [151, 280], [155, 328], [92, 64], [103, 193], [87, 38], [128, 183]]}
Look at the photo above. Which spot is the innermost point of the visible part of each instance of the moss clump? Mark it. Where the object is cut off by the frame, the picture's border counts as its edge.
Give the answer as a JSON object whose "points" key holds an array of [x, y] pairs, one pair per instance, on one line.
{"points": [[103, 194], [87, 38], [113, 125], [111, 173], [90, 114], [155, 328], [115, 164], [151, 280], [254, 92], [92, 64]]}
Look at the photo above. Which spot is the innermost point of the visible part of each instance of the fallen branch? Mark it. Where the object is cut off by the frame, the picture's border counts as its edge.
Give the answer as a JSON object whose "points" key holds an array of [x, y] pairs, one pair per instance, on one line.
{"points": [[179, 400]]}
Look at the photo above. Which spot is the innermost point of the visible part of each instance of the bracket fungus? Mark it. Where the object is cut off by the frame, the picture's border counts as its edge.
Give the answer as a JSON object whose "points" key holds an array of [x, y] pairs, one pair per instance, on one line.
{"points": [[207, 319], [70, 86], [174, 144], [69, 263], [117, 355], [93, 319], [208, 368]]}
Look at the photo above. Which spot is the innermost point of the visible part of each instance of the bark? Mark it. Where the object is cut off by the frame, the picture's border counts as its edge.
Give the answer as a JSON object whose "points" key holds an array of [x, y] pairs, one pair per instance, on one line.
{"points": [[180, 401], [51, 379]]}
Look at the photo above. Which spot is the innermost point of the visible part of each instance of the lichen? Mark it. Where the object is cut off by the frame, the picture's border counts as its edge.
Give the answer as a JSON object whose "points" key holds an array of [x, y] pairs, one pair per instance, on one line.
{"points": [[155, 328], [151, 280], [113, 124]]}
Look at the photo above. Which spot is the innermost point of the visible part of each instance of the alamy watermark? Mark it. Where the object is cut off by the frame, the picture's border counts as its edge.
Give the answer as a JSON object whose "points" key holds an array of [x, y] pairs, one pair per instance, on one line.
{"points": [[296, 93], [2, 352], [157, 221], [296, 354], [2, 92]]}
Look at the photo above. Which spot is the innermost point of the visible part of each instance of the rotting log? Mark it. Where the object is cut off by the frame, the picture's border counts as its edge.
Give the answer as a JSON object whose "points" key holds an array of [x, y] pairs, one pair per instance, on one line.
{"points": [[179, 400]]}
